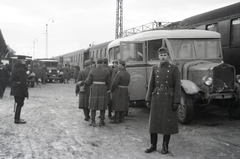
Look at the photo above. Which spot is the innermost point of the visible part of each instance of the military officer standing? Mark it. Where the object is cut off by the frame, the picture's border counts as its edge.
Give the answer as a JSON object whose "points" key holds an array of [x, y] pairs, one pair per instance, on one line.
{"points": [[119, 90], [84, 89], [19, 88], [105, 65], [163, 92], [99, 79]]}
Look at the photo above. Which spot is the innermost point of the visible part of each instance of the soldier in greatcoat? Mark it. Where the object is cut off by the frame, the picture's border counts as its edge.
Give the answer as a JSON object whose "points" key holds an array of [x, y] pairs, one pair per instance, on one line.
{"points": [[99, 79], [19, 88], [163, 93], [119, 90], [105, 65], [84, 89], [44, 73]]}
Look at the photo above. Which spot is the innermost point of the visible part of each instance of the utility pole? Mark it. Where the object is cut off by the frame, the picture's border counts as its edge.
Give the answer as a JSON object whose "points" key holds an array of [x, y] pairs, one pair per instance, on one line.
{"points": [[34, 41], [52, 20], [119, 19]]}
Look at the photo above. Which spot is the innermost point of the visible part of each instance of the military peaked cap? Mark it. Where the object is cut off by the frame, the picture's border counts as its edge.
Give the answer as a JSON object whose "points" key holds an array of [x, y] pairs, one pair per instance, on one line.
{"points": [[163, 50]]}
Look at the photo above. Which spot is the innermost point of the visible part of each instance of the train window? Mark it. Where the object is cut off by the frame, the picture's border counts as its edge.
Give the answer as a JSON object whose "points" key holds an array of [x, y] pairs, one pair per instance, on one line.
{"points": [[100, 52], [132, 52], [183, 49], [153, 47], [235, 32], [105, 50], [212, 27], [97, 54]]}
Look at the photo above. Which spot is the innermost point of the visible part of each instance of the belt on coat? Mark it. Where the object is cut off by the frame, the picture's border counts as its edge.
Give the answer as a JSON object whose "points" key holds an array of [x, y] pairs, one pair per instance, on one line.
{"points": [[99, 82], [162, 86], [18, 82], [123, 86]]}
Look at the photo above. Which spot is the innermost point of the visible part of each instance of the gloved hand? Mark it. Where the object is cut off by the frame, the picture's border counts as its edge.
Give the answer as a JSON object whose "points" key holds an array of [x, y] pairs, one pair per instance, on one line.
{"points": [[175, 106], [148, 104]]}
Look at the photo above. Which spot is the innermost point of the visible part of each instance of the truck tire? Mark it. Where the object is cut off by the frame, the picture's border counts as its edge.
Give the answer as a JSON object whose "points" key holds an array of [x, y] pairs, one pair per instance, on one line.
{"points": [[185, 112], [234, 110]]}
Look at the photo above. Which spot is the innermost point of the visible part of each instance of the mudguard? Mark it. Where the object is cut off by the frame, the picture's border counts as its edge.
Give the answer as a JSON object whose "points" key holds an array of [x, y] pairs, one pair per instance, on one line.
{"points": [[190, 87]]}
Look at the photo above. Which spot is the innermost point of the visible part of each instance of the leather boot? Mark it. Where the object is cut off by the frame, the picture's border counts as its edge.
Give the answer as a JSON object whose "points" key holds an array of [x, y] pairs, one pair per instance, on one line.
{"points": [[153, 147], [166, 139], [164, 148]]}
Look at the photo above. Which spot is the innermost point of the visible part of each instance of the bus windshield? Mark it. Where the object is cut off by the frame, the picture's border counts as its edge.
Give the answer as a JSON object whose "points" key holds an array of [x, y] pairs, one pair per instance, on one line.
{"points": [[196, 49]]}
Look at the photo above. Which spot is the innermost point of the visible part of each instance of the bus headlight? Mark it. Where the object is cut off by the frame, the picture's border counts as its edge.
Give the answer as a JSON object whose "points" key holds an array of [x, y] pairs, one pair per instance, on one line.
{"points": [[50, 71], [207, 80]]}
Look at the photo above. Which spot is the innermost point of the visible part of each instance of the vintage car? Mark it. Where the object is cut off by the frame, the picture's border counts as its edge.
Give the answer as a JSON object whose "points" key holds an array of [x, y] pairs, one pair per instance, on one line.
{"points": [[53, 71]]}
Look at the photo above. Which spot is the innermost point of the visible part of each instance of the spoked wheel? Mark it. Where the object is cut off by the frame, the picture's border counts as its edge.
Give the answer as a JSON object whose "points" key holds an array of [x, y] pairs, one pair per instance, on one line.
{"points": [[185, 112]]}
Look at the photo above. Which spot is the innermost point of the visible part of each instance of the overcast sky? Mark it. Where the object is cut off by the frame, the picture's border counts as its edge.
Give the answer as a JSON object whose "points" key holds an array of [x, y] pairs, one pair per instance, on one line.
{"points": [[74, 24]]}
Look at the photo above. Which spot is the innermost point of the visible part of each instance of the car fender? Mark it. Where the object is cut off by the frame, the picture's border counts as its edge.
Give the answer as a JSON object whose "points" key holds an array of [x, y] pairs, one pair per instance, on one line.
{"points": [[190, 87]]}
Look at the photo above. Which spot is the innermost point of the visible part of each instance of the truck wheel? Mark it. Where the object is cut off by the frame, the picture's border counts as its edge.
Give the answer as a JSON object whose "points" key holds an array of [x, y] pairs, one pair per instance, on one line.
{"points": [[32, 83], [234, 110], [185, 112]]}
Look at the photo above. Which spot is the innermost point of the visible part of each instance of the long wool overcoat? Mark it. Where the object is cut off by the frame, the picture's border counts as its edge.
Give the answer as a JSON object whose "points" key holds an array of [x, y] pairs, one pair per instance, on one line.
{"points": [[84, 96], [164, 90], [120, 98], [98, 92], [18, 81]]}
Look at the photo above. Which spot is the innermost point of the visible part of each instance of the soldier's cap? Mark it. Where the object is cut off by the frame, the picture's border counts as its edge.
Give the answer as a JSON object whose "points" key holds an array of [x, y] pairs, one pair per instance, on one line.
{"points": [[99, 60], [116, 61], [105, 59], [87, 62], [163, 50], [122, 62]]}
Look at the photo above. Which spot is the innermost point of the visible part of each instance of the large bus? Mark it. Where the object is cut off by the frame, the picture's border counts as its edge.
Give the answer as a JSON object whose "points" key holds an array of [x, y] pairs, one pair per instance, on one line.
{"points": [[226, 21], [198, 55]]}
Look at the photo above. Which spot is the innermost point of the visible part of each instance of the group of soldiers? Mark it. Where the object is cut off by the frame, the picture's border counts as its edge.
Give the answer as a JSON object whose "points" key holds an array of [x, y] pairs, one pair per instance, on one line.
{"points": [[101, 87]]}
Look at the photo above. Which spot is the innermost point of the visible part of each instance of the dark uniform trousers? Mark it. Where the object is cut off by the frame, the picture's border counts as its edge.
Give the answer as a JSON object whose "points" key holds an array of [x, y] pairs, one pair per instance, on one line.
{"points": [[20, 103], [102, 115]]}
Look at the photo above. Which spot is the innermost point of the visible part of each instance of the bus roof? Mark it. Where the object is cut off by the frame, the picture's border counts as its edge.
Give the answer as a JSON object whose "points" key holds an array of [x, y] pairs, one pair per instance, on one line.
{"points": [[168, 34]]}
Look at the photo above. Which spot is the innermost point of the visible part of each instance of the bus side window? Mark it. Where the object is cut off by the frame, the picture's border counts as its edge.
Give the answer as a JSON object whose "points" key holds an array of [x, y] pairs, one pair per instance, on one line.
{"points": [[153, 47]]}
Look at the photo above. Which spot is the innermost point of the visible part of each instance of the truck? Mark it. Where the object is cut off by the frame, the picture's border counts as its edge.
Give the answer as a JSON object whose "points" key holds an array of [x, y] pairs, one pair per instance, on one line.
{"points": [[54, 72]]}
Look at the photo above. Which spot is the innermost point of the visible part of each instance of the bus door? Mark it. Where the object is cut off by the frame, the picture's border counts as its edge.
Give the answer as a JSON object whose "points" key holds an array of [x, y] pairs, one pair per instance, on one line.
{"points": [[133, 53]]}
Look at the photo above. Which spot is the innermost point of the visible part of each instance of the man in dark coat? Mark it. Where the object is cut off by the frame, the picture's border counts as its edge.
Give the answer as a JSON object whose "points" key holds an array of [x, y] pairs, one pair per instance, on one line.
{"points": [[76, 72], [44, 73], [105, 65], [164, 90], [99, 79], [119, 90], [84, 89], [19, 88], [4, 79]]}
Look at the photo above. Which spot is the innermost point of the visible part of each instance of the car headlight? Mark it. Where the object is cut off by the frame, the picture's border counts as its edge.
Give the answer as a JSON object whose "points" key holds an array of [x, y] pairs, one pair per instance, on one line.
{"points": [[50, 71], [58, 71], [28, 72], [238, 78], [207, 80]]}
